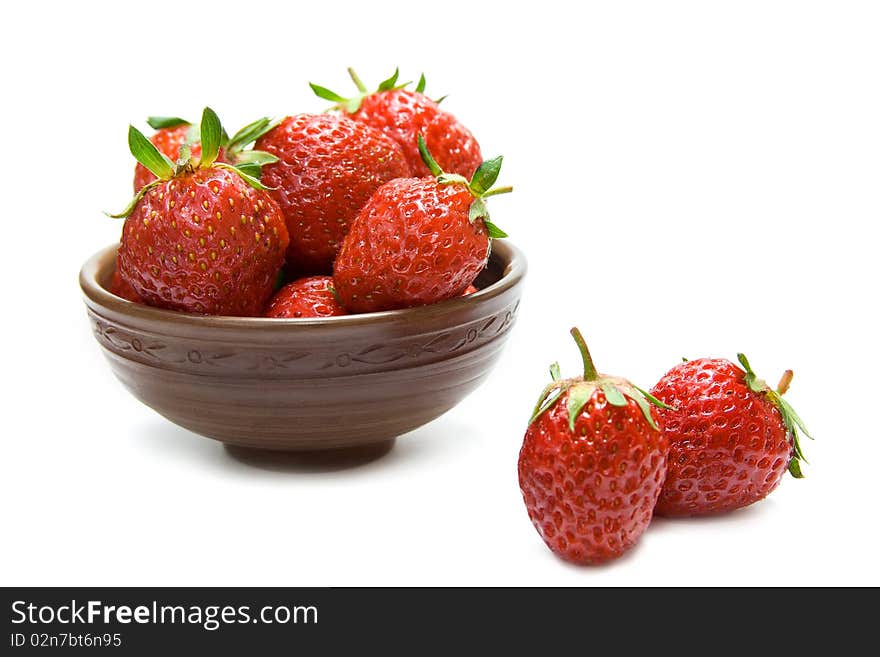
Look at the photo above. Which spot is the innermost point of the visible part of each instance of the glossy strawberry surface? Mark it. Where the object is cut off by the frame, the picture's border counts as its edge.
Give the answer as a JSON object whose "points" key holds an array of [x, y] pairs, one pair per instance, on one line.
{"points": [[412, 244], [169, 142], [590, 492], [204, 242], [729, 446], [306, 297], [328, 168], [122, 289], [403, 115]]}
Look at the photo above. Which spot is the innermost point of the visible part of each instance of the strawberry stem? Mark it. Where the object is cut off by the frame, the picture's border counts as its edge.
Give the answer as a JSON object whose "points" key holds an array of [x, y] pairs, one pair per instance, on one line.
{"points": [[590, 373], [428, 159], [357, 81], [498, 190], [784, 382]]}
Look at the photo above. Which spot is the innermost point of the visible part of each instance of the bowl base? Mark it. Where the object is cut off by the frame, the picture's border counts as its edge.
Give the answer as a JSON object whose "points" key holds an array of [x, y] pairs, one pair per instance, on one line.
{"points": [[325, 460]]}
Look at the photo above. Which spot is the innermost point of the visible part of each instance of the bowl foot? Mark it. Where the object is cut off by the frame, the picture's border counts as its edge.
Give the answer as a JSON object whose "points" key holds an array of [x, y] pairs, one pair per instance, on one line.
{"points": [[327, 460]]}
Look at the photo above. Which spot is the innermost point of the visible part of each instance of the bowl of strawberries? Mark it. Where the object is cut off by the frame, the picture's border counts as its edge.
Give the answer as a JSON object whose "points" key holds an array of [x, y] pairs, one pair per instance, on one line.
{"points": [[303, 285]]}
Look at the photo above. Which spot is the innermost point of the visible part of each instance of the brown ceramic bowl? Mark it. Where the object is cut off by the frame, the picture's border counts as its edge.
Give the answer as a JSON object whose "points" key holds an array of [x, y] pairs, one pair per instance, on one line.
{"points": [[306, 384]]}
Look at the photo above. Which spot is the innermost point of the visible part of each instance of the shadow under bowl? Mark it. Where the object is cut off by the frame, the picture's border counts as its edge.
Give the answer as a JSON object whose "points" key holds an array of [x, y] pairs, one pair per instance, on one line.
{"points": [[306, 384]]}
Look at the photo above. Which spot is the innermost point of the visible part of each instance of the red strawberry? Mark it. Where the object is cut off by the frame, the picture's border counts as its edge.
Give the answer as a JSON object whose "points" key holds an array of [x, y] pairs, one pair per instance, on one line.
{"points": [[306, 297], [418, 240], [403, 115], [122, 289], [731, 437], [201, 238], [328, 167], [592, 464], [173, 133]]}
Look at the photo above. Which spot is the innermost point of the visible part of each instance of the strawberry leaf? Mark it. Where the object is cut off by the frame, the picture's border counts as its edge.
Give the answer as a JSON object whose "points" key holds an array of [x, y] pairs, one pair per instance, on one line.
{"points": [[388, 84], [646, 409], [793, 417], [242, 171], [494, 231], [420, 87], [651, 398], [578, 397], [548, 403], [249, 134], [212, 137], [253, 170], [612, 394], [792, 423], [185, 154], [134, 201], [252, 180], [147, 154], [549, 395], [478, 210], [192, 135], [159, 122], [326, 94], [555, 373], [258, 158], [752, 381], [486, 175]]}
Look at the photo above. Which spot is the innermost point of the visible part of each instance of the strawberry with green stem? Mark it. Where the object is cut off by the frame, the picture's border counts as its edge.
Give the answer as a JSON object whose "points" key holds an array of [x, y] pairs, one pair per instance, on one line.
{"points": [[418, 240], [592, 463], [205, 236], [731, 436], [403, 115]]}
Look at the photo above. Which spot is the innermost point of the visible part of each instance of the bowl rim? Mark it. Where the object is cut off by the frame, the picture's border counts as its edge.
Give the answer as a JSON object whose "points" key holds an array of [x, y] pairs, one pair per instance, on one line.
{"points": [[514, 271]]}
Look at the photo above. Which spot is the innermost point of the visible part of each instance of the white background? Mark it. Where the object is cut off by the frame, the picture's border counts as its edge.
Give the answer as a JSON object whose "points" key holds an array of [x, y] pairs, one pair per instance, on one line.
{"points": [[692, 178]]}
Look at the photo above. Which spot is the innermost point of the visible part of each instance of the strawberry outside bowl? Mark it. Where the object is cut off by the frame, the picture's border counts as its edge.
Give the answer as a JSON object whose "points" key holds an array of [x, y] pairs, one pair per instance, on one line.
{"points": [[306, 384]]}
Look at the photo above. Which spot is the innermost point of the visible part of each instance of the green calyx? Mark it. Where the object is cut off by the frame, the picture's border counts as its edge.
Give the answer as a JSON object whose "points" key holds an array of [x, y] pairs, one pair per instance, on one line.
{"points": [[236, 150], [794, 425], [210, 133], [160, 122], [480, 186], [166, 122], [353, 104], [580, 390]]}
